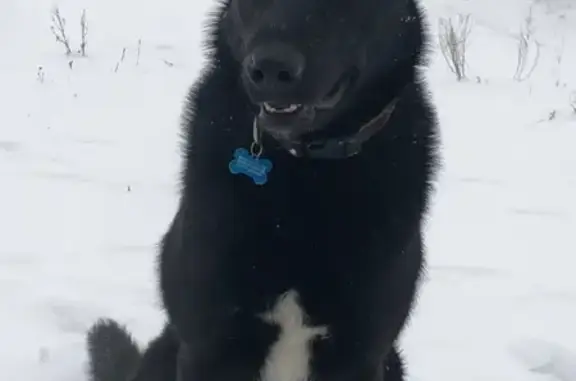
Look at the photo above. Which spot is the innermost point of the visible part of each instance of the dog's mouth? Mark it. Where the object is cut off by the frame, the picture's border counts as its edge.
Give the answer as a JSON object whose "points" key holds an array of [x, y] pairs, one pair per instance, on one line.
{"points": [[329, 101], [288, 121], [274, 108]]}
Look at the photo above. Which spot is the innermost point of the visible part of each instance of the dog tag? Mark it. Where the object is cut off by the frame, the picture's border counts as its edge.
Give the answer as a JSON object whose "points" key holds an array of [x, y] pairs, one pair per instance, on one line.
{"points": [[250, 165]]}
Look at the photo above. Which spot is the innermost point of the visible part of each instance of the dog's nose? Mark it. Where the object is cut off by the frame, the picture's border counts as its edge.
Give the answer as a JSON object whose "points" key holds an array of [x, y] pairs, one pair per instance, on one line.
{"points": [[274, 68]]}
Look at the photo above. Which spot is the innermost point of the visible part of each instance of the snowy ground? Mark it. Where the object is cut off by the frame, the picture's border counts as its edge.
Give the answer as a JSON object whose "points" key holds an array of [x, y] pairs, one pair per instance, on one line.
{"points": [[89, 163]]}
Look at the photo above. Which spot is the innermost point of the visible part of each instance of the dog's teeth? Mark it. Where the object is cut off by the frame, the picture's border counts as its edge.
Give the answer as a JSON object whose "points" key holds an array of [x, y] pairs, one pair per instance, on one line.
{"points": [[291, 108], [284, 110]]}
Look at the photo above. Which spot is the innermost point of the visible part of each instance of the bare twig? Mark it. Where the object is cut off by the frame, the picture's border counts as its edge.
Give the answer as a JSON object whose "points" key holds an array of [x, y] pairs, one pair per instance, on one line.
{"points": [[453, 42], [58, 29], [40, 74], [138, 53], [525, 41], [84, 32], [122, 57]]}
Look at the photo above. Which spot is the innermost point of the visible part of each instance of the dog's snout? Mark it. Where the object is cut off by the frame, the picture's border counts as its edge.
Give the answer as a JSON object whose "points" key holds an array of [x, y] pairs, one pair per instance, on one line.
{"points": [[274, 68]]}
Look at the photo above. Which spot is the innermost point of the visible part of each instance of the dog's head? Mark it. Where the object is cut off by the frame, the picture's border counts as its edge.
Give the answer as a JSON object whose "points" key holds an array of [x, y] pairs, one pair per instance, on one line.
{"points": [[305, 61]]}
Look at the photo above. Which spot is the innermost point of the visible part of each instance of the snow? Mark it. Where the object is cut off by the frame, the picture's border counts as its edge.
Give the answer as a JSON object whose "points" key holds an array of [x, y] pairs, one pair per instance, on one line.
{"points": [[89, 163]]}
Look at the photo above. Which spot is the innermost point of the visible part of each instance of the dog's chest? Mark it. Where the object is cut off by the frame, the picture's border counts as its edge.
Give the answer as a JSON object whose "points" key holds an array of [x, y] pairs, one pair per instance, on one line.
{"points": [[296, 197], [304, 229], [319, 218]]}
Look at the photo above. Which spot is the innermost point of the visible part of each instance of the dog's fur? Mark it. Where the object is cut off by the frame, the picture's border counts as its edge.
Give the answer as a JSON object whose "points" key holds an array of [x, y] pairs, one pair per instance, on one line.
{"points": [[313, 274]]}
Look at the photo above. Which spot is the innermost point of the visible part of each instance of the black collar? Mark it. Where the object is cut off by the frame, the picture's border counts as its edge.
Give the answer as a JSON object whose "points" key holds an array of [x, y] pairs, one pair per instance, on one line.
{"points": [[343, 146]]}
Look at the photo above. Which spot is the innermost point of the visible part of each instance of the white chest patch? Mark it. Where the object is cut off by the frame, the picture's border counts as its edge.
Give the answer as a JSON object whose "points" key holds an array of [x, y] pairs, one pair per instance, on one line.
{"points": [[289, 357]]}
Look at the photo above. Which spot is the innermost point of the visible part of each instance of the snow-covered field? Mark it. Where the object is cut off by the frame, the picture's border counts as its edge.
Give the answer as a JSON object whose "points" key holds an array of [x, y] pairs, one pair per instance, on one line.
{"points": [[88, 183]]}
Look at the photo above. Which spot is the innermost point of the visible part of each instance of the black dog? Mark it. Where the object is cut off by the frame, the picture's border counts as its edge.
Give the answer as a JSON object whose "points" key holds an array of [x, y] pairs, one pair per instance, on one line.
{"points": [[297, 248]]}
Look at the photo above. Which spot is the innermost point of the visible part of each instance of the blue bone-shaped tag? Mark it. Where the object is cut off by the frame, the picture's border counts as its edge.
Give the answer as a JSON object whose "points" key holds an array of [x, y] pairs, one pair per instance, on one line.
{"points": [[251, 166]]}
